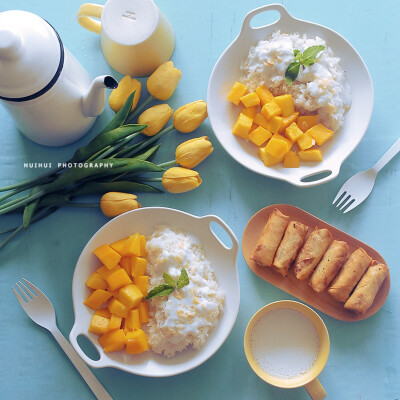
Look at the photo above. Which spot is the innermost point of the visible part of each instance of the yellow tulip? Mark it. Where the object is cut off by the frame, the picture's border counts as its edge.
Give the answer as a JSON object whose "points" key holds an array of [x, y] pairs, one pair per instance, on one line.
{"points": [[192, 152], [156, 117], [163, 81], [190, 116], [116, 203], [119, 95], [179, 180]]}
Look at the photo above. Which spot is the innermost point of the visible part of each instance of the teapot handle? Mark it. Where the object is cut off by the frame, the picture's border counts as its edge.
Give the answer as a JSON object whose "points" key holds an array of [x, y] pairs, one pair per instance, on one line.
{"points": [[85, 14]]}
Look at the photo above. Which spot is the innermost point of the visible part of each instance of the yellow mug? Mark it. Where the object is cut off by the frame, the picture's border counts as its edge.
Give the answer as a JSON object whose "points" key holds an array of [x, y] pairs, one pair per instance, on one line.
{"points": [[136, 38], [307, 379]]}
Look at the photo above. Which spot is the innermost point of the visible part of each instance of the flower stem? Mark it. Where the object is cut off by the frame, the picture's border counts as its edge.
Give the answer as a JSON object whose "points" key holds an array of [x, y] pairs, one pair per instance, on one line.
{"points": [[31, 182], [168, 164], [150, 179], [139, 110]]}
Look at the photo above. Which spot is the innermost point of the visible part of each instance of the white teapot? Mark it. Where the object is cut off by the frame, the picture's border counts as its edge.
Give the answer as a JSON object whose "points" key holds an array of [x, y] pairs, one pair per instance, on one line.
{"points": [[50, 96]]}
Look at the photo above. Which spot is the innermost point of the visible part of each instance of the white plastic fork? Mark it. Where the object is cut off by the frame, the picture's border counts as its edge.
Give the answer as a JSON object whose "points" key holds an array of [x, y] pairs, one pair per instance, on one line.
{"points": [[41, 311], [359, 186]]}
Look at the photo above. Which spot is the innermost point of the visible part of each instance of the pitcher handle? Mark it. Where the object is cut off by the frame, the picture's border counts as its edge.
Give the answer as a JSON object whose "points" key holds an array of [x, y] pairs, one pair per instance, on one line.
{"points": [[315, 390], [86, 14]]}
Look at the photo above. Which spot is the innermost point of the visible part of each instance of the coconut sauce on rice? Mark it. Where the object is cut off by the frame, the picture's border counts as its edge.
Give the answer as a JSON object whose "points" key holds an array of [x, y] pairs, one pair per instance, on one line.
{"points": [[320, 87], [187, 316]]}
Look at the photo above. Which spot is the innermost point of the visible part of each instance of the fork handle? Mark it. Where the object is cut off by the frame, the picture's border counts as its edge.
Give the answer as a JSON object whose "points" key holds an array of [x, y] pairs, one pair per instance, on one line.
{"points": [[96, 387], [387, 156]]}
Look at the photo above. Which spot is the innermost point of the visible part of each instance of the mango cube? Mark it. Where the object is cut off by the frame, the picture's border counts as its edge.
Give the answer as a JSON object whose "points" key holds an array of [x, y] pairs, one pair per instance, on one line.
{"points": [[286, 104], [113, 341], [270, 110], [98, 325], [305, 141], [132, 320], [126, 264], [250, 112], [117, 308], [305, 122], [259, 136], [132, 246], [320, 134], [267, 158], [118, 279], [242, 126], [136, 342], [119, 245], [286, 121], [261, 121], [95, 281], [310, 155], [264, 94], [115, 323], [108, 256], [250, 100], [139, 265], [144, 312], [142, 282], [291, 160], [97, 298], [130, 296], [142, 239], [274, 124], [103, 312], [277, 148], [293, 132], [104, 272], [238, 90]]}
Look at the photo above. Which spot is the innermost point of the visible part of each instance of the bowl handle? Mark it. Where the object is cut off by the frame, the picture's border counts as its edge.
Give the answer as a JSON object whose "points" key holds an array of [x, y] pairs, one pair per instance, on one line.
{"points": [[276, 7], [334, 172], [213, 218], [73, 338]]}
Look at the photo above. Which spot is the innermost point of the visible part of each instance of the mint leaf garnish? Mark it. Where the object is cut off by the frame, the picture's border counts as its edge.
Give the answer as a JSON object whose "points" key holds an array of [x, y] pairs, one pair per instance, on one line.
{"points": [[160, 290], [169, 286], [169, 280], [308, 57], [183, 279]]}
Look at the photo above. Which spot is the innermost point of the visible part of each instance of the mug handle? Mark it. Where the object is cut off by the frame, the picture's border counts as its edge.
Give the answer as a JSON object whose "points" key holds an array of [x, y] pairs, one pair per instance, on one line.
{"points": [[315, 390], [85, 14]]}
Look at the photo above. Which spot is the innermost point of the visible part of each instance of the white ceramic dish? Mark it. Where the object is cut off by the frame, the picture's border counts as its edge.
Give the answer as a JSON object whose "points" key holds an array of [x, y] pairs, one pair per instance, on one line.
{"points": [[145, 220], [222, 113]]}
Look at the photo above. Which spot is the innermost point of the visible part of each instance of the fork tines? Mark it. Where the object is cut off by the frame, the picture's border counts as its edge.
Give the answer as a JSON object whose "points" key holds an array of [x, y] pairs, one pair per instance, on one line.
{"points": [[24, 289]]}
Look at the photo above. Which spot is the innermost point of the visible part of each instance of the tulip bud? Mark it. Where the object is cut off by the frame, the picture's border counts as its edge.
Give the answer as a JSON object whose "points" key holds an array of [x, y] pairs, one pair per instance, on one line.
{"points": [[179, 180], [119, 95], [192, 152], [116, 203], [156, 117], [163, 81], [190, 116]]}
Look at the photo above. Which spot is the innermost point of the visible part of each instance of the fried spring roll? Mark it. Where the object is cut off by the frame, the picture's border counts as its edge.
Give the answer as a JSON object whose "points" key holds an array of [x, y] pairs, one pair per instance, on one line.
{"points": [[329, 266], [270, 238], [349, 275], [367, 289], [312, 252], [292, 241]]}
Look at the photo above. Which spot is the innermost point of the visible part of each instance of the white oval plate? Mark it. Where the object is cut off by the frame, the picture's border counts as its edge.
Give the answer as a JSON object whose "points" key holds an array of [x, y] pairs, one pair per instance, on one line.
{"points": [[223, 114], [145, 220]]}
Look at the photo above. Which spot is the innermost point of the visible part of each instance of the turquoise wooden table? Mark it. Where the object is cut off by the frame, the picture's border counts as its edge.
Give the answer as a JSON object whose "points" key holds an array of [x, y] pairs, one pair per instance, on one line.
{"points": [[364, 358]]}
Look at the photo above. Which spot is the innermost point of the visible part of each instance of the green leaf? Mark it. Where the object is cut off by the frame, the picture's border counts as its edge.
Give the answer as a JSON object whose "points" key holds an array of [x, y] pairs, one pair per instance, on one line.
{"points": [[169, 280], [309, 55], [292, 72], [297, 54], [183, 279], [160, 290]]}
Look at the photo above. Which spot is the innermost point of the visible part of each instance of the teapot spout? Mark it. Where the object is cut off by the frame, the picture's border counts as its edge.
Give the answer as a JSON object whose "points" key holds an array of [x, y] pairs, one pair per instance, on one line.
{"points": [[93, 102], [10, 43]]}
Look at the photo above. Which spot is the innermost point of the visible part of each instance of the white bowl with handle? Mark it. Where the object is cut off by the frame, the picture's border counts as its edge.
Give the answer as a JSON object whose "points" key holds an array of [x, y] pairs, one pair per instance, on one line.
{"points": [[223, 114], [145, 221]]}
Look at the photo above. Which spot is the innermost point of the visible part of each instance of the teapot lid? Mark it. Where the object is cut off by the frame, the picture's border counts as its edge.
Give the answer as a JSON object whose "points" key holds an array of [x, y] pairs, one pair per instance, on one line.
{"points": [[31, 56]]}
